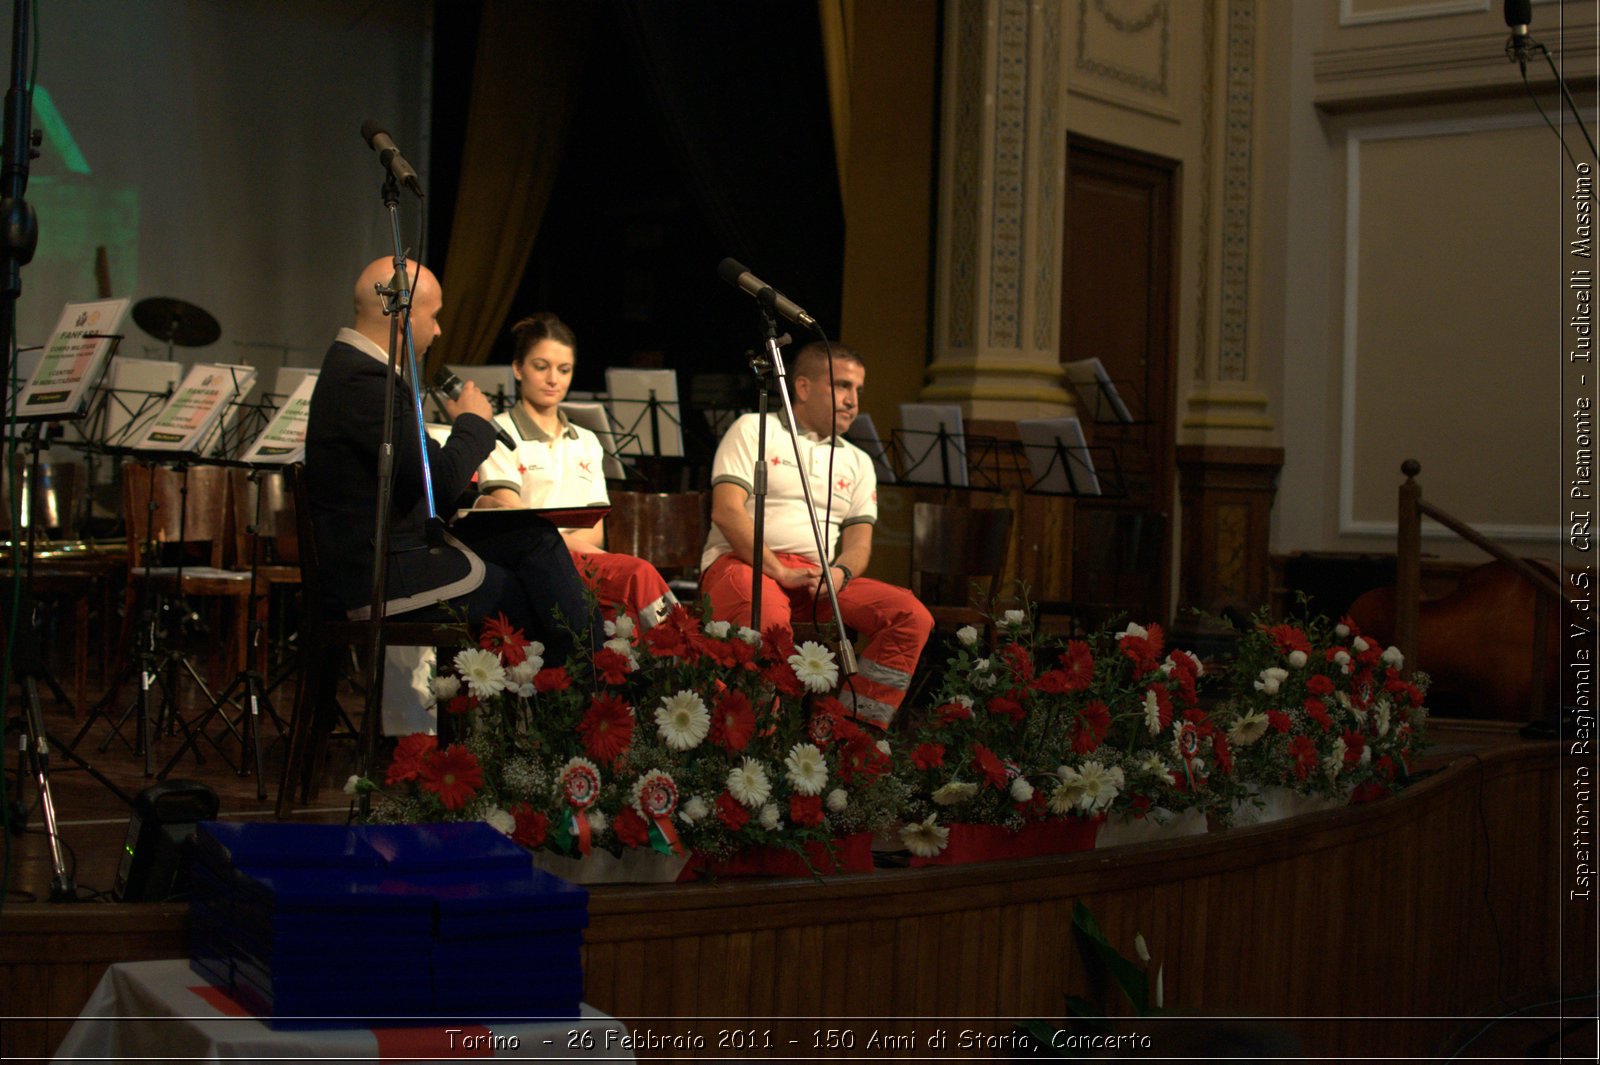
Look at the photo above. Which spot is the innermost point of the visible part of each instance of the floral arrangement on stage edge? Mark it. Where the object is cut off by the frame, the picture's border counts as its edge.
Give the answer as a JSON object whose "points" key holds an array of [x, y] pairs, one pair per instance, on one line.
{"points": [[689, 736], [1319, 709]]}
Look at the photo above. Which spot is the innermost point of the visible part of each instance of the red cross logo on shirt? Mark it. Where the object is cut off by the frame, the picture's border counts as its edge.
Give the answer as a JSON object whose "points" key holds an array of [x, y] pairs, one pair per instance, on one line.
{"points": [[842, 484], [521, 468], [583, 464], [776, 460]]}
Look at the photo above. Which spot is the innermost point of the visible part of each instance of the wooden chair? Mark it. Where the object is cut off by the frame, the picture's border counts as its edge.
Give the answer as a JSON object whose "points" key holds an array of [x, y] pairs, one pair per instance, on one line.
{"points": [[267, 536], [667, 529], [325, 638], [958, 555]]}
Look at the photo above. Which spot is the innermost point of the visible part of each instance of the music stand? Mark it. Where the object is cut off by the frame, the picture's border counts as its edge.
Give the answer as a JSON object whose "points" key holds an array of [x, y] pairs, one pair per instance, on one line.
{"points": [[644, 403]]}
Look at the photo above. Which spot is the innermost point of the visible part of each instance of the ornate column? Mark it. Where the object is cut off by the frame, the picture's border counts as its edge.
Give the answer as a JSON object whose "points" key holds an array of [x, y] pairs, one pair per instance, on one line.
{"points": [[998, 295]]}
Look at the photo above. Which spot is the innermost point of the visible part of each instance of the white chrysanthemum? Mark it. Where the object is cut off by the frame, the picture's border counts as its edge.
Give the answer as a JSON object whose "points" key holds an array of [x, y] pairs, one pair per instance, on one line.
{"points": [[1271, 680], [806, 769], [1334, 763], [838, 800], [535, 649], [1101, 786], [925, 838], [446, 687], [1066, 795], [1152, 712], [1359, 644], [597, 822], [1393, 657], [1342, 657], [956, 791], [1021, 790], [1013, 618], [693, 810], [622, 647], [768, 817], [501, 820], [352, 785], [814, 665], [964, 700], [718, 630], [1151, 763], [1341, 630], [1134, 630], [519, 678], [1297, 659], [1248, 729], [967, 635], [682, 721], [622, 628], [481, 671], [610, 628], [748, 783], [1381, 713], [749, 636]]}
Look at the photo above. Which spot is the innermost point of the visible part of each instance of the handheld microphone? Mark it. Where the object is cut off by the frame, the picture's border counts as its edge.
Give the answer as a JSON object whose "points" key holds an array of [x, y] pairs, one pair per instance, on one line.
{"points": [[449, 385], [1518, 13], [378, 140], [735, 274]]}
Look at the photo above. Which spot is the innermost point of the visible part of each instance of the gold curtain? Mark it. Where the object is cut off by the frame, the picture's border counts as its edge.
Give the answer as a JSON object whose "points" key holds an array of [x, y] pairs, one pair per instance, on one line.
{"points": [[529, 58], [838, 20]]}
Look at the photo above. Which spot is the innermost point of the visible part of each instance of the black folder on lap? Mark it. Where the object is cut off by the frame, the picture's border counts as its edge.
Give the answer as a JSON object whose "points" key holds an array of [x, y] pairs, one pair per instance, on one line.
{"points": [[499, 519]]}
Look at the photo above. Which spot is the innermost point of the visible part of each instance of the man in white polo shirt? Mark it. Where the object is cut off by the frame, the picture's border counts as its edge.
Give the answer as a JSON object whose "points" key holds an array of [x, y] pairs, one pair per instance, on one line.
{"points": [[844, 490]]}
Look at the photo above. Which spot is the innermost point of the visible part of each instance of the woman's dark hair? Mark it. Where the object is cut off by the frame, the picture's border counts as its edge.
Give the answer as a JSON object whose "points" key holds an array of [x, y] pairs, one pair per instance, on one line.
{"points": [[537, 327]]}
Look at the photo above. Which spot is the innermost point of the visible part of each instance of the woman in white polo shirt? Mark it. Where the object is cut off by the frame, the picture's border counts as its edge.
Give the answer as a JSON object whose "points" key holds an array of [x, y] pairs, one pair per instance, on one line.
{"points": [[558, 464]]}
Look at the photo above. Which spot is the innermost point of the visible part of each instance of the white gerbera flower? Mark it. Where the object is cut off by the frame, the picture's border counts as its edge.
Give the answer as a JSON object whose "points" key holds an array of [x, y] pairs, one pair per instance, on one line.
{"points": [[1067, 795], [500, 820], [838, 800], [1152, 764], [768, 817], [956, 791], [446, 687], [481, 671], [1334, 763], [1021, 790], [1248, 729], [925, 838], [814, 665], [1152, 713], [693, 810], [748, 783], [682, 721], [1101, 786], [1393, 657], [1297, 659], [718, 630], [1013, 618], [806, 769], [967, 635], [749, 636]]}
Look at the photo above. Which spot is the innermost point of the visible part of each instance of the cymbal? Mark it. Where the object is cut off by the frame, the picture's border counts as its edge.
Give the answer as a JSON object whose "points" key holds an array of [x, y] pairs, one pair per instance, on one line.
{"points": [[176, 322]]}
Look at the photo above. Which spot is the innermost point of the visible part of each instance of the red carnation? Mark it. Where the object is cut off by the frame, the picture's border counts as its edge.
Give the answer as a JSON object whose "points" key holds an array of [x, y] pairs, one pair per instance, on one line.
{"points": [[1319, 713], [453, 774], [733, 722], [1317, 684], [1354, 743], [928, 755], [990, 767], [553, 679], [805, 810], [950, 713], [531, 827], [1078, 661], [606, 728], [1090, 729], [461, 704], [1279, 720], [731, 812], [612, 666], [409, 756], [1006, 706], [631, 829]]}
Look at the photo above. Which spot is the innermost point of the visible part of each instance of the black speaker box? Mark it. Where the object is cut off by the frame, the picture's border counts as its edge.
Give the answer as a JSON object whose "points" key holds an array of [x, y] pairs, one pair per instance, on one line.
{"points": [[160, 844]]}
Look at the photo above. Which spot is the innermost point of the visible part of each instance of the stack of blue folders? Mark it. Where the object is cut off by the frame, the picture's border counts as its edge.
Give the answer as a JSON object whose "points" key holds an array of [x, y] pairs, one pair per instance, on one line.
{"points": [[319, 924]]}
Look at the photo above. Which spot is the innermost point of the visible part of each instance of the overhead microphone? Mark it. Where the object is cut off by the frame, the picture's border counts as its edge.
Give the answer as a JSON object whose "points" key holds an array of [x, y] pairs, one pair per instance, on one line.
{"points": [[449, 385], [378, 140], [735, 274], [1518, 13]]}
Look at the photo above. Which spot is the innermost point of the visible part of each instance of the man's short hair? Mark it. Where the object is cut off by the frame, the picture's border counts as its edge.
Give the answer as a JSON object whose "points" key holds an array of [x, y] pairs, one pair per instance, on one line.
{"points": [[541, 326], [812, 360]]}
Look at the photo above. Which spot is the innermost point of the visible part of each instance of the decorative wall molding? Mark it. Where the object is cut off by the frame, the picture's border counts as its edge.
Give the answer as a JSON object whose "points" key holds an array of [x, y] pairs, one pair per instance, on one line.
{"points": [[1102, 74], [1355, 137], [1208, 99], [1350, 16], [1008, 167], [1047, 178], [962, 287]]}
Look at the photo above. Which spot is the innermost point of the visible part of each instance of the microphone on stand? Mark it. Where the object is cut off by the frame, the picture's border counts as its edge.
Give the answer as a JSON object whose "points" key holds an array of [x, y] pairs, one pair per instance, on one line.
{"points": [[449, 385], [1519, 13], [735, 274], [378, 140]]}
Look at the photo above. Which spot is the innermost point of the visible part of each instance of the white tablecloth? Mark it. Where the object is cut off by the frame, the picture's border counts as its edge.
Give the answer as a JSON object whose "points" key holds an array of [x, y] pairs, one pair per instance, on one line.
{"points": [[164, 1011]]}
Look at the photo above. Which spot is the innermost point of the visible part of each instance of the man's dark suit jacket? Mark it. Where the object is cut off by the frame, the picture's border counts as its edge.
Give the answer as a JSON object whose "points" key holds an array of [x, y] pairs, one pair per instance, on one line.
{"points": [[343, 434]]}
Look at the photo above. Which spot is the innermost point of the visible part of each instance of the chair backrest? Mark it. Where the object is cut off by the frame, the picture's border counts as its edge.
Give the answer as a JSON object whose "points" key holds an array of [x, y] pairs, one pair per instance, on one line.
{"points": [[276, 535], [954, 547], [165, 505], [294, 476], [666, 529]]}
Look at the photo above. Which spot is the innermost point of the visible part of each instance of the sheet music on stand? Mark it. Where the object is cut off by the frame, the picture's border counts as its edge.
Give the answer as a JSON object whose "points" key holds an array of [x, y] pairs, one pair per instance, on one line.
{"points": [[195, 410], [284, 439], [863, 433], [591, 414], [1097, 391], [72, 362], [1058, 457], [933, 445], [644, 404]]}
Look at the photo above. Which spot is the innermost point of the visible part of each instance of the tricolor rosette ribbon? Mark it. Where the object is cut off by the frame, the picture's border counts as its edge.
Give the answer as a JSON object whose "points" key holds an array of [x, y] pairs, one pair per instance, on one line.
{"points": [[655, 796], [1186, 739], [580, 783]]}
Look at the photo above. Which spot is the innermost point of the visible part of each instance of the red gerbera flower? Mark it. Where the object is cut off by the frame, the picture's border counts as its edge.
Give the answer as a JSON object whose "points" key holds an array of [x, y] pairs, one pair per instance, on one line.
{"points": [[1144, 651], [951, 712], [1354, 743], [631, 829], [733, 722], [1091, 728], [1006, 706], [860, 759], [606, 728], [453, 774], [731, 812], [1279, 720], [805, 810], [1078, 661], [1021, 662], [990, 767], [1287, 638], [1319, 713], [928, 755], [553, 679], [531, 826], [612, 666], [1304, 753], [409, 755], [498, 635]]}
